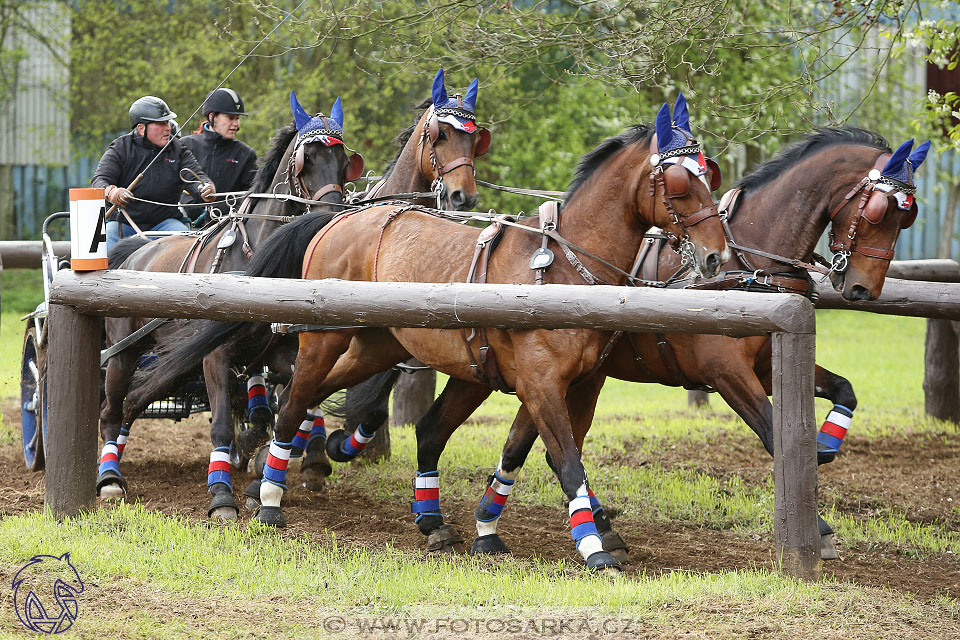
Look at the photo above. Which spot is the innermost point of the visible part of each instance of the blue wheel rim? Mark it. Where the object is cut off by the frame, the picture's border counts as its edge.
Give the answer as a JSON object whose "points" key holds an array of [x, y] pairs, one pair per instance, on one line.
{"points": [[31, 439]]}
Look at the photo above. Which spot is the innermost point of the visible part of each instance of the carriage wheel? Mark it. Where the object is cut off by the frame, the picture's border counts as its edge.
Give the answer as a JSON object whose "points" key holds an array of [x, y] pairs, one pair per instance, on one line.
{"points": [[33, 400]]}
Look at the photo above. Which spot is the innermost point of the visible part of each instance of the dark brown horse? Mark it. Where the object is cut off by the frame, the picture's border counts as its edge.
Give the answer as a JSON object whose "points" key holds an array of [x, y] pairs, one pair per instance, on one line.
{"points": [[306, 160], [833, 177], [436, 156], [625, 186]]}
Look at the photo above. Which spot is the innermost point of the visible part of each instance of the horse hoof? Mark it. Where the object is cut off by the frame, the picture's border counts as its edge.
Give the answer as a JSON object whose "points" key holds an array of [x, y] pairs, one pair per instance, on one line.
{"points": [[490, 544], [599, 560], [111, 491], [444, 539], [258, 461], [313, 479], [248, 440], [252, 492], [828, 550], [823, 457], [615, 546], [333, 444], [223, 507], [270, 516]]}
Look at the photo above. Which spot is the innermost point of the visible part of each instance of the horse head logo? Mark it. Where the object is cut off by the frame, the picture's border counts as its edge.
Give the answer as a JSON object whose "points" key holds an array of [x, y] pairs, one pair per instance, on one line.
{"points": [[45, 594]]}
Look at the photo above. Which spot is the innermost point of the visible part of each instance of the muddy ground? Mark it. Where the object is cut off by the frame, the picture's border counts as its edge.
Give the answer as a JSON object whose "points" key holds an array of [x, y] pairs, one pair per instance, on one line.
{"points": [[916, 476]]}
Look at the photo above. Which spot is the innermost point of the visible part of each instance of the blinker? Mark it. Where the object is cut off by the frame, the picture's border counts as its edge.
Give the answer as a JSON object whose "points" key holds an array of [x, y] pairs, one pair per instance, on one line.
{"points": [[676, 178], [876, 207]]}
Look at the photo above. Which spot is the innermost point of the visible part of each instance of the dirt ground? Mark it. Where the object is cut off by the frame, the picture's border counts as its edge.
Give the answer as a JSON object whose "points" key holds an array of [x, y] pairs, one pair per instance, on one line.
{"points": [[916, 476]]}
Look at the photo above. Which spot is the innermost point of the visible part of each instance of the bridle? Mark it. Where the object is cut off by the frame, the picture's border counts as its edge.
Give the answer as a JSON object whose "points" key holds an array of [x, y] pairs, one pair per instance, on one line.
{"points": [[430, 133], [871, 208], [295, 166], [672, 180]]}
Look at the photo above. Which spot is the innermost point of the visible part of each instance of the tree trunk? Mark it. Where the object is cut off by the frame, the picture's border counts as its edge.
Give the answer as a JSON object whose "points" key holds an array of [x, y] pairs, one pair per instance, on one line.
{"points": [[413, 395], [941, 373], [6, 203]]}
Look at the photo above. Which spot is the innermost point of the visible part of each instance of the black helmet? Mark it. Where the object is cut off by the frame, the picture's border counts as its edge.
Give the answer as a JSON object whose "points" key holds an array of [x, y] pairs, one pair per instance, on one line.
{"points": [[223, 101], [149, 109]]}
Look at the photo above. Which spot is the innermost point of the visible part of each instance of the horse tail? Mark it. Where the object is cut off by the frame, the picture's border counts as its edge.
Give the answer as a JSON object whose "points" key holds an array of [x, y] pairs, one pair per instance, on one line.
{"points": [[364, 398], [123, 250], [182, 354], [281, 256]]}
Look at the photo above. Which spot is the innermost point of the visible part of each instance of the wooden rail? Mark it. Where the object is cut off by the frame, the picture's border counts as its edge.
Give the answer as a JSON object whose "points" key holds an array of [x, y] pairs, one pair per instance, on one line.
{"points": [[75, 339], [26, 254]]}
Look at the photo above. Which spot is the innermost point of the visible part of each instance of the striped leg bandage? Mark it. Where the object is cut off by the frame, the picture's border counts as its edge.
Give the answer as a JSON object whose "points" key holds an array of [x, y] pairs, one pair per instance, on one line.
{"points": [[494, 498], [426, 495], [312, 426], [357, 442], [109, 459], [275, 469], [834, 428], [582, 527], [122, 441], [257, 400], [219, 469]]}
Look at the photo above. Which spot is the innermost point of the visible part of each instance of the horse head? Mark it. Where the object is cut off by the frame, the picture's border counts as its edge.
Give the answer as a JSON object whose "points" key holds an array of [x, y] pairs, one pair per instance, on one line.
{"points": [[316, 161], [867, 223], [680, 180], [449, 141]]}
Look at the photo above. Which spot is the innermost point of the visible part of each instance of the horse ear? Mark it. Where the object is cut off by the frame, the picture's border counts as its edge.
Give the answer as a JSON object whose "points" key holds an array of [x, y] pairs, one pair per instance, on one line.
{"points": [[355, 168], [919, 155], [663, 127], [714, 176], [300, 116], [336, 112], [439, 91], [681, 117], [470, 100], [898, 158]]}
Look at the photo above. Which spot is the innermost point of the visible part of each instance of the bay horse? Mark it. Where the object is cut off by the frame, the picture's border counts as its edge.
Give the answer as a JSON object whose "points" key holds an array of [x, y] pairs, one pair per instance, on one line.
{"points": [[307, 161], [626, 185], [845, 178], [436, 156]]}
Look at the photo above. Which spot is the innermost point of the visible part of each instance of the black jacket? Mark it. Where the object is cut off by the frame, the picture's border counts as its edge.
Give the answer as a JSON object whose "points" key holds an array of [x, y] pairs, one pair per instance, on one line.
{"points": [[231, 164], [127, 156]]}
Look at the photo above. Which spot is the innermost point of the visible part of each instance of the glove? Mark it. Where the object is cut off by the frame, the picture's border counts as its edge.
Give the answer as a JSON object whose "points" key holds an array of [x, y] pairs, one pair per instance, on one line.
{"points": [[118, 195], [207, 190]]}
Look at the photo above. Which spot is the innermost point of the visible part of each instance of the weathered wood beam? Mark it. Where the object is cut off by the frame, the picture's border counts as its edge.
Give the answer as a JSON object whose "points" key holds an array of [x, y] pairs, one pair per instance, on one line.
{"points": [[449, 305], [930, 270], [26, 254], [901, 298]]}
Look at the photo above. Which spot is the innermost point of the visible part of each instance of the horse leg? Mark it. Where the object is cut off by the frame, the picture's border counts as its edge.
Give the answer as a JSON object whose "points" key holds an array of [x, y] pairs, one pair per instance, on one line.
{"points": [[216, 376], [259, 416], [839, 391], [120, 368], [316, 357], [456, 402], [547, 405]]}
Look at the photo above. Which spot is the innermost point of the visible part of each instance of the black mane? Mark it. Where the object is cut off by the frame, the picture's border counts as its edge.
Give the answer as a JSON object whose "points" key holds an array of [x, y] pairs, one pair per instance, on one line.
{"points": [[271, 162], [404, 136], [592, 160], [817, 141]]}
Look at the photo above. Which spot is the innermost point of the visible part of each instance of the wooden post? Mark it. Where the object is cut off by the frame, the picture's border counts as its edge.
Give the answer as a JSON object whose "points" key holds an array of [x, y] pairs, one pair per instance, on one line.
{"points": [[941, 372], [795, 454], [413, 395], [73, 408]]}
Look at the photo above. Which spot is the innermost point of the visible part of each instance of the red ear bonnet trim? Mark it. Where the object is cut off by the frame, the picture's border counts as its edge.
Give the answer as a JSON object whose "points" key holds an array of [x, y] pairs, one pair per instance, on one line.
{"points": [[876, 207]]}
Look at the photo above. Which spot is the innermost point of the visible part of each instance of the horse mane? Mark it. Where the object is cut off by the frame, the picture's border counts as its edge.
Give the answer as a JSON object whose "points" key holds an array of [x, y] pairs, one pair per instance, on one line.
{"points": [[271, 162], [404, 136], [815, 142], [592, 160]]}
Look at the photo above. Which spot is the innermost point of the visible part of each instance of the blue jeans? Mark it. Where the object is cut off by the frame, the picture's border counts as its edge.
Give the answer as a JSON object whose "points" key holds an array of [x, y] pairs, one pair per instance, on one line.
{"points": [[113, 229]]}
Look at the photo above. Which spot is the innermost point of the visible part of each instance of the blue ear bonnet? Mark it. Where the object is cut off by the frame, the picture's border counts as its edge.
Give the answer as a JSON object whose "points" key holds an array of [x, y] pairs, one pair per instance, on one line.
{"points": [[455, 110], [318, 128], [674, 134], [902, 163]]}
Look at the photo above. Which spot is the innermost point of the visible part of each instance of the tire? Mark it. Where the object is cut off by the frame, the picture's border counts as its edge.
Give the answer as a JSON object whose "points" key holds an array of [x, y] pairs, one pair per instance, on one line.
{"points": [[33, 400]]}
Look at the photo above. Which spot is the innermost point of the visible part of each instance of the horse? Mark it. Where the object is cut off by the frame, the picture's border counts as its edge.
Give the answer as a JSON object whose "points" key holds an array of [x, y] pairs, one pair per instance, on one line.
{"points": [[436, 156], [845, 178], [307, 160], [623, 187]]}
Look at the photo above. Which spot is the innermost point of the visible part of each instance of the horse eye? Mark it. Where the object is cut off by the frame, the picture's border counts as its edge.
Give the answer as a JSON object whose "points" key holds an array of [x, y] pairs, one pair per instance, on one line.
{"points": [[441, 135]]}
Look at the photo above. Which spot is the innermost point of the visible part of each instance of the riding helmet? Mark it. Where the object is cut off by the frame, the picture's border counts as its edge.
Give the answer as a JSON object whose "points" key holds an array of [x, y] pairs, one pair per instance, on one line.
{"points": [[149, 109], [223, 101]]}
